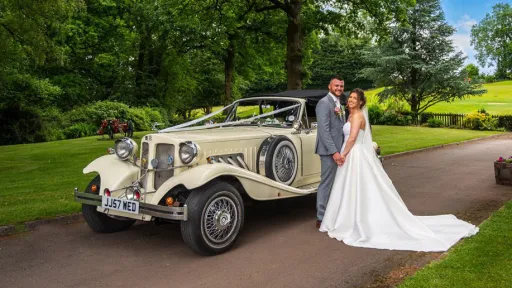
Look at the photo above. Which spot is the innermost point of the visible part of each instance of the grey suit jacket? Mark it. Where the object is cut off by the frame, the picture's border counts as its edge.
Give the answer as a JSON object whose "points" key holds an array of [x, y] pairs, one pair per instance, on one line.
{"points": [[329, 137]]}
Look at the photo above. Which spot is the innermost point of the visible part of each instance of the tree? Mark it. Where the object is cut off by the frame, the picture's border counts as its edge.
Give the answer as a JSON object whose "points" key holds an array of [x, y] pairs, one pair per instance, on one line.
{"points": [[306, 16], [472, 71], [339, 56], [492, 39], [419, 63]]}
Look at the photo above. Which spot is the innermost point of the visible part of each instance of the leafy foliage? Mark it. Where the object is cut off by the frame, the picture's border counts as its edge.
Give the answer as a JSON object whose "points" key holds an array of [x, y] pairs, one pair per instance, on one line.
{"points": [[492, 39], [339, 56], [434, 123], [80, 130], [480, 121], [419, 64], [472, 71]]}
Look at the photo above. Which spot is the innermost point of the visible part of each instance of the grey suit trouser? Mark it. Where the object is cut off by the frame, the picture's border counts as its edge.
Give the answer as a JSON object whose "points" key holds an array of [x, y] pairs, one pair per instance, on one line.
{"points": [[327, 175]]}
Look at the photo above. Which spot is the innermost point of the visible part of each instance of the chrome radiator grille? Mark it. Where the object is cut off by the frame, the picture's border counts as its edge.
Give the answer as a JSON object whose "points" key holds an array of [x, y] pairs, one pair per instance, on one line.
{"points": [[165, 157], [144, 162]]}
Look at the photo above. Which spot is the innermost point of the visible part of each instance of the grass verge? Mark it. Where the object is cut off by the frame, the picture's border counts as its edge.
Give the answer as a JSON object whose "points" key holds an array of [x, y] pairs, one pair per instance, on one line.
{"points": [[39, 178], [484, 260], [497, 101]]}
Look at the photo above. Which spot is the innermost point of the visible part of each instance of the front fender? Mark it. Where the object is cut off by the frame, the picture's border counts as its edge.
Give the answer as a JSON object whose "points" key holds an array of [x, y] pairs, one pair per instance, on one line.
{"points": [[257, 186], [114, 172]]}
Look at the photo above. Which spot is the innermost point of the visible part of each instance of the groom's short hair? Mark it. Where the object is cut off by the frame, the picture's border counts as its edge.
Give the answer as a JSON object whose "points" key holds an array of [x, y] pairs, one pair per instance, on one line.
{"points": [[336, 77]]}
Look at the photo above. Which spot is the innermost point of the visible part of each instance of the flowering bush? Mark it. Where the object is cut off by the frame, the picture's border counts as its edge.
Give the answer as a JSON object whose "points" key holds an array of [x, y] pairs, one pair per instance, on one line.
{"points": [[508, 160], [480, 121]]}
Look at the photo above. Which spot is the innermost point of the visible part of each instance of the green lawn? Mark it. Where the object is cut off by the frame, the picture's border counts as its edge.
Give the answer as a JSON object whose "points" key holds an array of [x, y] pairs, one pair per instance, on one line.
{"points": [[40, 177], [393, 139], [484, 260], [497, 101]]}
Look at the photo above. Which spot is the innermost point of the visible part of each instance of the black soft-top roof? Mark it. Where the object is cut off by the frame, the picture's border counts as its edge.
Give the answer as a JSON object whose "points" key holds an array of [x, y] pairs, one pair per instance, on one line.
{"points": [[307, 94]]}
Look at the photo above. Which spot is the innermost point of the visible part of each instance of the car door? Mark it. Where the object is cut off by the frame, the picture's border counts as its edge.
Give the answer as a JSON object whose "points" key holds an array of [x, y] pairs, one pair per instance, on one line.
{"points": [[310, 160]]}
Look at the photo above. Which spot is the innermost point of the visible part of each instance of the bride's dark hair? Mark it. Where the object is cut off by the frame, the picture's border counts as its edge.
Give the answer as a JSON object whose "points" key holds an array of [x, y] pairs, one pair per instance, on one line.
{"points": [[360, 95]]}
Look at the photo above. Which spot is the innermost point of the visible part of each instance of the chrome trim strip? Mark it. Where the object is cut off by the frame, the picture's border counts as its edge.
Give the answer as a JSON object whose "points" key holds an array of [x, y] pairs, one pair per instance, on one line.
{"points": [[171, 213], [241, 161], [263, 155], [232, 162]]}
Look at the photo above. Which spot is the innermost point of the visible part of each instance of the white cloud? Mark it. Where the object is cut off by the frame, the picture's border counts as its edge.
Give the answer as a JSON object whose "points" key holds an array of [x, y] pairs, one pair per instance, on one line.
{"points": [[462, 42], [465, 23]]}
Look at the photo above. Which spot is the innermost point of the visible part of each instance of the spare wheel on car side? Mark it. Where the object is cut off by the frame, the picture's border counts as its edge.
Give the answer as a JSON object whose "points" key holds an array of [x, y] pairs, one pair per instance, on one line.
{"points": [[278, 159]]}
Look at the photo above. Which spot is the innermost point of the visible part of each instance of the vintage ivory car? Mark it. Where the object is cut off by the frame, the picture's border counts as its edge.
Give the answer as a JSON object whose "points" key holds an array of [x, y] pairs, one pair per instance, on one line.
{"points": [[199, 173]]}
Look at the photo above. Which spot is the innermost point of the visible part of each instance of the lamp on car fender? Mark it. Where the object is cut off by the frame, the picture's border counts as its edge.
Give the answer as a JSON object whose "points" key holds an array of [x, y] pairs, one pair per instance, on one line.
{"points": [[188, 151], [125, 147]]}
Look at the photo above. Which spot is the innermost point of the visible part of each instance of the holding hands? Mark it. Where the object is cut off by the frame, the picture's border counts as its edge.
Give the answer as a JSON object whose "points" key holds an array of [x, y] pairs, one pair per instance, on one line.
{"points": [[339, 158]]}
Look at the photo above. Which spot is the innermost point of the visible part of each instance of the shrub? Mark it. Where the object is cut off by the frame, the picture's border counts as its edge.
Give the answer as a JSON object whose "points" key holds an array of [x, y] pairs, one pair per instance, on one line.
{"points": [[425, 116], [480, 121], [391, 117], [29, 125], [397, 105], [434, 123], [141, 120], [80, 130], [102, 110], [375, 113], [52, 120], [153, 115], [505, 122]]}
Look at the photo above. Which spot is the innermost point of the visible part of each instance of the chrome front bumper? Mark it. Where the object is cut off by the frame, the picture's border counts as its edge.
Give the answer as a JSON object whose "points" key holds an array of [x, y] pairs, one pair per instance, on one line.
{"points": [[171, 213]]}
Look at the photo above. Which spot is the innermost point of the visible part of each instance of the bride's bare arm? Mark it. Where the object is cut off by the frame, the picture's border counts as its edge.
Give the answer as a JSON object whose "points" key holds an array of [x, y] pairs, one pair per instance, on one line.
{"points": [[355, 124]]}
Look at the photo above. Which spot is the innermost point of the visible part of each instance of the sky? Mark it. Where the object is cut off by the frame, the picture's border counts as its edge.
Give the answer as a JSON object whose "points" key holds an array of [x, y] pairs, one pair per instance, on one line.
{"points": [[462, 14]]}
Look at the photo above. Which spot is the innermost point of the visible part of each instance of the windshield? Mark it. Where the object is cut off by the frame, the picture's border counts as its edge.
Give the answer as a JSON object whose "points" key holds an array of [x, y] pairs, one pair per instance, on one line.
{"points": [[265, 112], [251, 112]]}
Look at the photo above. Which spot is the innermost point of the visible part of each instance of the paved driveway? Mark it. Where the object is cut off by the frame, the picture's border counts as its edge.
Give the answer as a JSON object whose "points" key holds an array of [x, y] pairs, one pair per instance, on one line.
{"points": [[279, 247]]}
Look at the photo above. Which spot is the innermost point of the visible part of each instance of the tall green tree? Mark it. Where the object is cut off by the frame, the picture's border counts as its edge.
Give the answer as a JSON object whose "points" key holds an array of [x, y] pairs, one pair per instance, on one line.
{"points": [[27, 32], [492, 39], [419, 63], [339, 56], [306, 16], [472, 71]]}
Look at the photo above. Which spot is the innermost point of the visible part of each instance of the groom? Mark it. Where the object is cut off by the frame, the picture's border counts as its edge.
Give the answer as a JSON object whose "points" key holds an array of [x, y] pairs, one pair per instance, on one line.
{"points": [[330, 120]]}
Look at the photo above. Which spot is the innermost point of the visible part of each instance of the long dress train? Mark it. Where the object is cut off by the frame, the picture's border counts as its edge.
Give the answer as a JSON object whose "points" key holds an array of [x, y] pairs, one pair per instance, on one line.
{"points": [[365, 209]]}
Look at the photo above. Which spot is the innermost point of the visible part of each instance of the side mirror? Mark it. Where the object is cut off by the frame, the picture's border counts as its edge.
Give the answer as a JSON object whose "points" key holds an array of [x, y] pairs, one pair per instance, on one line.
{"points": [[297, 125]]}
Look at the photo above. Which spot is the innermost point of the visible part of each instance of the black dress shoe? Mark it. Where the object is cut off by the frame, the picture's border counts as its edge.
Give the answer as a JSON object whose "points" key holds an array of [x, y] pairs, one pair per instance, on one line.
{"points": [[318, 223]]}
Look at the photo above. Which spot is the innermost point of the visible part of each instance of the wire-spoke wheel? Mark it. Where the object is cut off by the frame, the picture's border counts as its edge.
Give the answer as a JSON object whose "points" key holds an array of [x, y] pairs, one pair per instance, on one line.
{"points": [[278, 158], [220, 219], [284, 162], [215, 218]]}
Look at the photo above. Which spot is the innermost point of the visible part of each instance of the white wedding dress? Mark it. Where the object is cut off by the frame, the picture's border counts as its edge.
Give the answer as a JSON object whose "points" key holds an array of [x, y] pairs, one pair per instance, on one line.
{"points": [[365, 209]]}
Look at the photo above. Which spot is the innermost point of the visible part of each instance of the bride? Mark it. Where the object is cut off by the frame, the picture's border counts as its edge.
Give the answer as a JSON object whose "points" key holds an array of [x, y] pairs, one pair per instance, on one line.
{"points": [[364, 208]]}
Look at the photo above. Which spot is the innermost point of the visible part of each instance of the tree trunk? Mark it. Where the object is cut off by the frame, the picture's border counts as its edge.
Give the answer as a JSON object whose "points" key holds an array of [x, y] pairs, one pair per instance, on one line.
{"points": [[294, 45], [139, 72], [229, 69], [414, 104]]}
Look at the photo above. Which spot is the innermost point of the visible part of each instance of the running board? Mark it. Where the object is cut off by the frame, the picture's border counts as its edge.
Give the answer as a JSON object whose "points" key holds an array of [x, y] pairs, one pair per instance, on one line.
{"points": [[307, 189]]}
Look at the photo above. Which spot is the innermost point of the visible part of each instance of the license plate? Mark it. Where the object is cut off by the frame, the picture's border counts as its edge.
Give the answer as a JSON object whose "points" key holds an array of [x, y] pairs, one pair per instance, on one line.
{"points": [[117, 204]]}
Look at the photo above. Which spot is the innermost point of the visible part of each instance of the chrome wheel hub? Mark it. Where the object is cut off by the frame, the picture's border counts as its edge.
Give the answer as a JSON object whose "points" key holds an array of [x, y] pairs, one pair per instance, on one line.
{"points": [[220, 219]]}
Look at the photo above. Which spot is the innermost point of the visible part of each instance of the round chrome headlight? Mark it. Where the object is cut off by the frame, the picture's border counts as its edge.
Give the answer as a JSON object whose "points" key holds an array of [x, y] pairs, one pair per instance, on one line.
{"points": [[188, 151], [125, 148]]}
